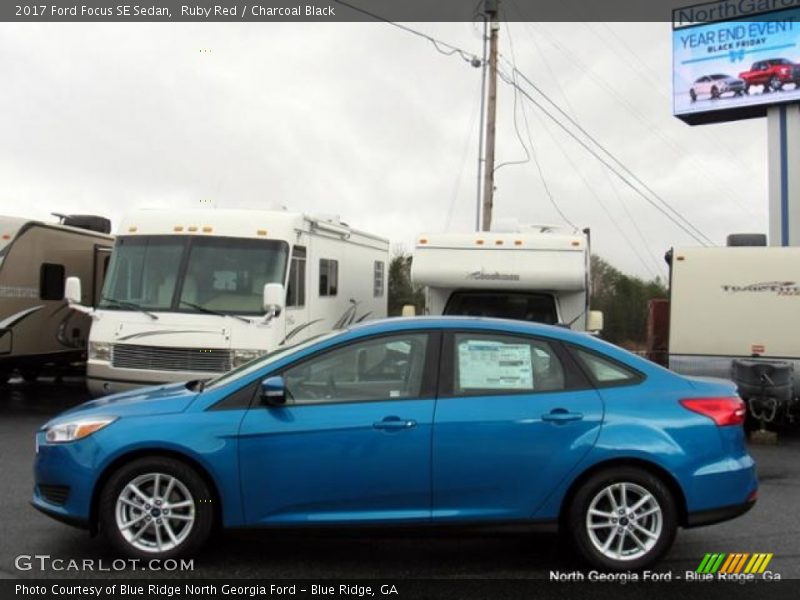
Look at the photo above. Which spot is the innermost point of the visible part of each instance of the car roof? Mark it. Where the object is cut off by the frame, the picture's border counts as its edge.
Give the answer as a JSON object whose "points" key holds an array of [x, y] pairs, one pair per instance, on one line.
{"points": [[486, 323]]}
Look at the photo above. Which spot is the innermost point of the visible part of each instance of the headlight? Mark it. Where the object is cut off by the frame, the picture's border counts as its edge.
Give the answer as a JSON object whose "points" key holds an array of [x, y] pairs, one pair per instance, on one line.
{"points": [[76, 430], [99, 351], [241, 357]]}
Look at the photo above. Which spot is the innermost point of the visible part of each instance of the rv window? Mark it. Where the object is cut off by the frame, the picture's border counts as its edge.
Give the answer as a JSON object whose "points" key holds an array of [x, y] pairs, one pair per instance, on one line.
{"points": [[377, 288], [296, 291], [228, 275], [51, 282], [540, 308], [144, 270], [328, 276]]}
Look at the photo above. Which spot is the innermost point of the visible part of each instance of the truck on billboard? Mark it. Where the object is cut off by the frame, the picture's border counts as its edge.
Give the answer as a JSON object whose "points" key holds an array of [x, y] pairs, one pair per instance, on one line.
{"points": [[734, 69]]}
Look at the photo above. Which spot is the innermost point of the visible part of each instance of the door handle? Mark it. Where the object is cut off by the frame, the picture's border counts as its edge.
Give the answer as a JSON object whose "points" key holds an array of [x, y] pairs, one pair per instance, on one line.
{"points": [[560, 415], [394, 424]]}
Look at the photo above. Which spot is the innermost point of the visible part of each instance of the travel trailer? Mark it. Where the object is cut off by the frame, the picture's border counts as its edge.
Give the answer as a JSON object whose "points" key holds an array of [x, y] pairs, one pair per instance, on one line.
{"points": [[531, 273], [37, 329], [194, 293], [733, 313]]}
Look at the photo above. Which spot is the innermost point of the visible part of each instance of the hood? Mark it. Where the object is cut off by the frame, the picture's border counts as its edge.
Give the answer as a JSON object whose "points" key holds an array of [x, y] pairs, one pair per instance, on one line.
{"points": [[713, 386], [147, 401]]}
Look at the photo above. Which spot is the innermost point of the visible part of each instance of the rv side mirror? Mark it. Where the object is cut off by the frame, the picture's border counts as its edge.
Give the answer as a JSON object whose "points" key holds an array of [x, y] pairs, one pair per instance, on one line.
{"points": [[409, 310], [594, 322], [273, 299], [273, 391], [72, 290]]}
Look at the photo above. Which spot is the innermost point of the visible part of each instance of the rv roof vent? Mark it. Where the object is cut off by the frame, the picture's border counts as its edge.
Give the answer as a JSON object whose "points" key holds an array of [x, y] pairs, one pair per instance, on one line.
{"points": [[747, 239], [90, 222]]}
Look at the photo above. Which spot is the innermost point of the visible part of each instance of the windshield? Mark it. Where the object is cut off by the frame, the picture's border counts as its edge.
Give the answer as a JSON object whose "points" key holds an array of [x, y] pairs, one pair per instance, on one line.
{"points": [[261, 361], [192, 274], [522, 306]]}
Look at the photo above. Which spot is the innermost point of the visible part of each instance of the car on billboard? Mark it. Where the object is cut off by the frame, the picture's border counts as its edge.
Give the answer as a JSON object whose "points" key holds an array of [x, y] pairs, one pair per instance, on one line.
{"points": [[772, 73], [715, 85]]}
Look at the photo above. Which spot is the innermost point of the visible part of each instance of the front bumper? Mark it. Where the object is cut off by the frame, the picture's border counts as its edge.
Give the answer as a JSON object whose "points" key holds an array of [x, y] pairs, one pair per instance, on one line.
{"points": [[70, 466]]}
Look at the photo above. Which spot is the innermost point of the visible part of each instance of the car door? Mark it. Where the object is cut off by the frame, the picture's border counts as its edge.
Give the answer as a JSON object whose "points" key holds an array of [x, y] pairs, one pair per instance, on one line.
{"points": [[514, 417], [352, 442]]}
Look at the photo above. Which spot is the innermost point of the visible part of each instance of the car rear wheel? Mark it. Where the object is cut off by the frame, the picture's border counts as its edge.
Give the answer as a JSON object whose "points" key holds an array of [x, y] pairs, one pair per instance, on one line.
{"points": [[623, 519], [156, 507]]}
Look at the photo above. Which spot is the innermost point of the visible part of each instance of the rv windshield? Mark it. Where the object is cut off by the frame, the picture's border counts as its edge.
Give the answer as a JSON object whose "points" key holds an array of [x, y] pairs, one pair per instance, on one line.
{"points": [[193, 274], [522, 306]]}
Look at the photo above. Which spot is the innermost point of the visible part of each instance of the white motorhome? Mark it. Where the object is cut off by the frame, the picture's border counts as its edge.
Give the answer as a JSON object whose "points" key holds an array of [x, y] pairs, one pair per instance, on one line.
{"points": [[534, 273], [193, 293], [37, 330], [736, 304]]}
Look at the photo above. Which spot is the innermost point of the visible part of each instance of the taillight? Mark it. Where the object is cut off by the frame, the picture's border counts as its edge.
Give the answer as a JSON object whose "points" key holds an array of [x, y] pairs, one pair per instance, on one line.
{"points": [[724, 411]]}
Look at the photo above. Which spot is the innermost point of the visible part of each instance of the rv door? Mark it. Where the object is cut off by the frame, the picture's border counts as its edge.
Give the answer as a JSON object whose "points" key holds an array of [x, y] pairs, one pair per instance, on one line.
{"points": [[102, 254]]}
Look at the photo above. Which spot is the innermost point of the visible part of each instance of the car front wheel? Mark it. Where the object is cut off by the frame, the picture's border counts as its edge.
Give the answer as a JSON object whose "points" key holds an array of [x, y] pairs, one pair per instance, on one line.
{"points": [[623, 519], [156, 507]]}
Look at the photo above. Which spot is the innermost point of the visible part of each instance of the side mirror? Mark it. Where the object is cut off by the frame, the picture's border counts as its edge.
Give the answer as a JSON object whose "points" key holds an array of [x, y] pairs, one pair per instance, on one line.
{"points": [[273, 299], [273, 391], [594, 322], [409, 310], [72, 290]]}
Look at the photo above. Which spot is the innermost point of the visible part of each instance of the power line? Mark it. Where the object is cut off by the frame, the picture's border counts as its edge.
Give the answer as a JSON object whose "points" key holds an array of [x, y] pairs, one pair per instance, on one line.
{"points": [[532, 154], [617, 161], [660, 267], [603, 161], [440, 46]]}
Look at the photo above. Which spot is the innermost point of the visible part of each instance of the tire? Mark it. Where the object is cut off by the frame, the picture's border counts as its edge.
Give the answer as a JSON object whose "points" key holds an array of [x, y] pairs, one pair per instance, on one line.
{"points": [[775, 84], [714, 93], [747, 89], [693, 95], [30, 374], [190, 524], [662, 523]]}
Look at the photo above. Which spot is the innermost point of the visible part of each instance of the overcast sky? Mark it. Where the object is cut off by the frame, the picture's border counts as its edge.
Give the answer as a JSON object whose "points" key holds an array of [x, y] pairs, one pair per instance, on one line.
{"points": [[365, 121]]}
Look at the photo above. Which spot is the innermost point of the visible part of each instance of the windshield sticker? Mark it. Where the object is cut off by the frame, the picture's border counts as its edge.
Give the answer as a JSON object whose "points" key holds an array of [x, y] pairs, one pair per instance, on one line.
{"points": [[494, 365]]}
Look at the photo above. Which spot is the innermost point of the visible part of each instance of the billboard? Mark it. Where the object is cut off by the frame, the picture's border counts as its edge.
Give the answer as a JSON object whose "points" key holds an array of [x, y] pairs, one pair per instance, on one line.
{"points": [[734, 69]]}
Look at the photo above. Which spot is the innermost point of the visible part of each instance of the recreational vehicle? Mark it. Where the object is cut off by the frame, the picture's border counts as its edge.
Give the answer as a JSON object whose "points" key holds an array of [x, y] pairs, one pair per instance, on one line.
{"points": [[733, 313], [37, 329], [533, 273], [194, 293]]}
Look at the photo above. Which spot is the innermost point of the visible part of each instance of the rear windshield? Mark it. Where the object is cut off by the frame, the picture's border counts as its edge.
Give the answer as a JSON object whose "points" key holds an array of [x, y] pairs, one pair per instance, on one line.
{"points": [[540, 308]]}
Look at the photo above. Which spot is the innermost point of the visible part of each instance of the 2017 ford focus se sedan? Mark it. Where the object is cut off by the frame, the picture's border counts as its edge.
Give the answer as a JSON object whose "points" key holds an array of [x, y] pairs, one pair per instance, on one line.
{"points": [[409, 421]]}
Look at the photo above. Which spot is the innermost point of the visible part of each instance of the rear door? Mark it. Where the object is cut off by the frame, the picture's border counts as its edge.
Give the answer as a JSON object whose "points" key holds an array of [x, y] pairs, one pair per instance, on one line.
{"points": [[514, 416]]}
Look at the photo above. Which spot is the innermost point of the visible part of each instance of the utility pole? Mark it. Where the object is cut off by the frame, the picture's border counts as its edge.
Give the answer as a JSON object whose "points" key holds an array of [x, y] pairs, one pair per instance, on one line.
{"points": [[490, 8]]}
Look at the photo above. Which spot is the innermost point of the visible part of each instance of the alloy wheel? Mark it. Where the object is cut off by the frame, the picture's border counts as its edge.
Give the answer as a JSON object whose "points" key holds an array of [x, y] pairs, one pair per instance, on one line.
{"points": [[155, 512], [624, 521]]}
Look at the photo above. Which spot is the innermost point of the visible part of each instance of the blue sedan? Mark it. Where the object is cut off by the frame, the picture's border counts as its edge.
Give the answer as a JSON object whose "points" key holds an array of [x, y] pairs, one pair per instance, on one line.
{"points": [[409, 421]]}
